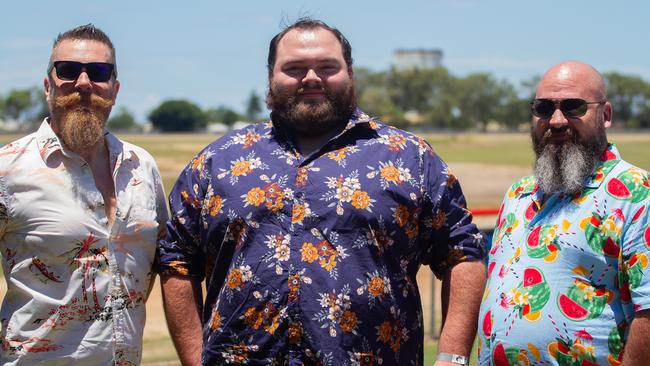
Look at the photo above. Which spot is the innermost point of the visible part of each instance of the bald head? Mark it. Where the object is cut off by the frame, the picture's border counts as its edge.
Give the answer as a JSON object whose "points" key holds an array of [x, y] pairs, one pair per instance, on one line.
{"points": [[572, 79]]}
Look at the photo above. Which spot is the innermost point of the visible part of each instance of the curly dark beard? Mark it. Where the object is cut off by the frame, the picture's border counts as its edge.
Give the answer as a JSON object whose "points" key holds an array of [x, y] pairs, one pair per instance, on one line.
{"points": [[312, 119], [565, 167], [81, 119]]}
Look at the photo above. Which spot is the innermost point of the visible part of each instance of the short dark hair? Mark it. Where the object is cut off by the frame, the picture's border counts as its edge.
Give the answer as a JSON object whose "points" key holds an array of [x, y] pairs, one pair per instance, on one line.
{"points": [[86, 32], [308, 23]]}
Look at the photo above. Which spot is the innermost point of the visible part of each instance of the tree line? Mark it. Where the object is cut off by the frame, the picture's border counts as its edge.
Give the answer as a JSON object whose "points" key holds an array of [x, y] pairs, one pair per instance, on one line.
{"points": [[415, 98]]}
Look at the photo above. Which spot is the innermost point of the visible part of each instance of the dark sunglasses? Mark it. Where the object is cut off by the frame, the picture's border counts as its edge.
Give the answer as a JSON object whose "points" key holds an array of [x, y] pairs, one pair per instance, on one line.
{"points": [[571, 107], [98, 72]]}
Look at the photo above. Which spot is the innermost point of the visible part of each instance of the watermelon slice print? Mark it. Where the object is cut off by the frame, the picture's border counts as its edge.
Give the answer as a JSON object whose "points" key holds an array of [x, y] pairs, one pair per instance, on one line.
{"points": [[571, 309], [617, 189]]}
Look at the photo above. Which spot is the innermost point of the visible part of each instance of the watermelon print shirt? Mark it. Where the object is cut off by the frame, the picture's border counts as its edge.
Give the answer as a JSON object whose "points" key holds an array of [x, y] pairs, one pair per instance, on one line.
{"points": [[76, 288], [567, 274], [313, 259]]}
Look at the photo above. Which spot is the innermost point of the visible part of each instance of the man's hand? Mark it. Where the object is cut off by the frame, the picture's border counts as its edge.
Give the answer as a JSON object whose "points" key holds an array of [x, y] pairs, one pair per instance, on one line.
{"points": [[637, 347], [462, 289], [183, 304]]}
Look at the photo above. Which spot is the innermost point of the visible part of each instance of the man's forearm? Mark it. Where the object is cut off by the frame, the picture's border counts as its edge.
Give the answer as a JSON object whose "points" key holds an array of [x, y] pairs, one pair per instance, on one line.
{"points": [[462, 289], [183, 303], [637, 350]]}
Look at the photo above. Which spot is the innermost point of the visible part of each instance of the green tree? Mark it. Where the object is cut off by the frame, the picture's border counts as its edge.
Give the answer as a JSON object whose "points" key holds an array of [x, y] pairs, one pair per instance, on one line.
{"points": [[123, 120], [25, 105], [630, 98], [253, 107], [177, 116], [223, 115], [480, 99]]}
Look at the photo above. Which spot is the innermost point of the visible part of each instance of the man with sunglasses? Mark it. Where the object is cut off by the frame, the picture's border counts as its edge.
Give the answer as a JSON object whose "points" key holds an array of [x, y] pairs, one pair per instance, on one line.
{"points": [[568, 274], [310, 229], [80, 212]]}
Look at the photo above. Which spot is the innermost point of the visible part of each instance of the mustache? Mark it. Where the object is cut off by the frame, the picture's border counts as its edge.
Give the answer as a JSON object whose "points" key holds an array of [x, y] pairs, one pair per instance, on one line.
{"points": [[75, 99]]}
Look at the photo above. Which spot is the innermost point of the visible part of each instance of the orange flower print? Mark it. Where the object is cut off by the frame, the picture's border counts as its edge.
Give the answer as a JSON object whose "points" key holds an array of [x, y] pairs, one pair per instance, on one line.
{"points": [[412, 230], [396, 142], [241, 168], [273, 190], [402, 215], [309, 253], [337, 155], [294, 282], [376, 286], [328, 263], [384, 331], [238, 353], [216, 321], [275, 205], [198, 162], [302, 176], [253, 318], [295, 333], [214, 205], [298, 213], [255, 196], [390, 173], [325, 249], [360, 200], [439, 220], [348, 321], [235, 278]]}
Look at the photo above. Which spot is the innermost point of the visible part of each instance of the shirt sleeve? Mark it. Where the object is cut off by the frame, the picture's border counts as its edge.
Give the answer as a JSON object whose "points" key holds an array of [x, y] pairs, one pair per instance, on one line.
{"points": [[634, 268], [179, 252], [453, 237]]}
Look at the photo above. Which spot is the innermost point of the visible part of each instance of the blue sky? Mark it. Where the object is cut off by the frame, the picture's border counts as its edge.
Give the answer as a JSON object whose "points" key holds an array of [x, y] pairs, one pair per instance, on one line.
{"points": [[214, 52]]}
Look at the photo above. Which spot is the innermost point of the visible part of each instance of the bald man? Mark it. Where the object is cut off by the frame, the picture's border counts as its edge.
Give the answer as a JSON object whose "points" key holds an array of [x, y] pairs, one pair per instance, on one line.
{"points": [[568, 269]]}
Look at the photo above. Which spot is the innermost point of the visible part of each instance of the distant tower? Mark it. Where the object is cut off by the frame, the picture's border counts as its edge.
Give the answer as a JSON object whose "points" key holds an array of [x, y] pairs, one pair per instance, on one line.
{"points": [[416, 59]]}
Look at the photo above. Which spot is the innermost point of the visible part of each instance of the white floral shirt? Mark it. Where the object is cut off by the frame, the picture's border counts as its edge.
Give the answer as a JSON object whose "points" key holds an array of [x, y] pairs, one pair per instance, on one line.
{"points": [[76, 287]]}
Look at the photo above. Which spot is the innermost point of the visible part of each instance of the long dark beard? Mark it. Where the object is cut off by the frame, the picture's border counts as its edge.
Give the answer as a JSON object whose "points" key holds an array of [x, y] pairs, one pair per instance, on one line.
{"points": [[565, 167], [80, 119], [312, 119]]}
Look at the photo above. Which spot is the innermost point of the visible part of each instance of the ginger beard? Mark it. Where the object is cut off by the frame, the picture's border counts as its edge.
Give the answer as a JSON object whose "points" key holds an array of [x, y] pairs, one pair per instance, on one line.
{"points": [[564, 167], [80, 119], [311, 118]]}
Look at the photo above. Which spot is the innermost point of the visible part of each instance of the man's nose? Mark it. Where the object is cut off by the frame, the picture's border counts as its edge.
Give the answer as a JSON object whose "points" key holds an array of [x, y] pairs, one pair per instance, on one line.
{"points": [[558, 119], [311, 77], [83, 82]]}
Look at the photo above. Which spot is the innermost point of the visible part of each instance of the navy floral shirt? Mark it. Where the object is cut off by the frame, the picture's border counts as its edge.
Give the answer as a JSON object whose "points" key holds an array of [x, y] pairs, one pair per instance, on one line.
{"points": [[313, 259]]}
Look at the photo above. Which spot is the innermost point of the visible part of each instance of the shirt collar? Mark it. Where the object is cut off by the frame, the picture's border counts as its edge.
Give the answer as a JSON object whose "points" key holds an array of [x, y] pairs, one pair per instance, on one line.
{"points": [[607, 161]]}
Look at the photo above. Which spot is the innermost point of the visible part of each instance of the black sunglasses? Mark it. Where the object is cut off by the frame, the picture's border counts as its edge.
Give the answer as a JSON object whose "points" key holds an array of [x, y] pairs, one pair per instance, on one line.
{"points": [[571, 107], [98, 72]]}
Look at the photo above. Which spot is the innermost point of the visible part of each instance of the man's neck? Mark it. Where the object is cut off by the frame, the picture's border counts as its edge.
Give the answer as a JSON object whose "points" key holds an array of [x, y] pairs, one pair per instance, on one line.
{"points": [[308, 145]]}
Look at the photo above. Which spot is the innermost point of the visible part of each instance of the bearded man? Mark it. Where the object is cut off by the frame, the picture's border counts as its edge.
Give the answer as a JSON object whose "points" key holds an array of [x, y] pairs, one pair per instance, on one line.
{"points": [[310, 229], [568, 270], [80, 212]]}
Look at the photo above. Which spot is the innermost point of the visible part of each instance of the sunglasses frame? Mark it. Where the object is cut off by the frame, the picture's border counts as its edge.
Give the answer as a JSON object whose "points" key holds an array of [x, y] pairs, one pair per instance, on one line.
{"points": [[558, 104], [83, 66]]}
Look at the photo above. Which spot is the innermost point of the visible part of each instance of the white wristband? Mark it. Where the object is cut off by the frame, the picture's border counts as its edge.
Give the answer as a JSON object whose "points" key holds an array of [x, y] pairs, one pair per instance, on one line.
{"points": [[453, 358]]}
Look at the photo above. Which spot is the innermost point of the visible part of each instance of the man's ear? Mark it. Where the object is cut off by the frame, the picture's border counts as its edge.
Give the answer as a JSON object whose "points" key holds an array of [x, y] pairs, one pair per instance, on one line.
{"points": [[607, 114], [116, 89], [46, 87]]}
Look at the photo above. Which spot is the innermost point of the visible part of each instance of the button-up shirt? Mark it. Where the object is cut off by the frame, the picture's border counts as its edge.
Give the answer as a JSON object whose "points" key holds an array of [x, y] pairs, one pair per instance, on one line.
{"points": [[314, 258], [566, 274], [76, 287]]}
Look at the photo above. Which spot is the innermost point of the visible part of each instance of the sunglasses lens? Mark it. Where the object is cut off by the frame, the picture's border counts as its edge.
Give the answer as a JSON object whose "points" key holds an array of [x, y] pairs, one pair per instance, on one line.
{"points": [[573, 107], [542, 108], [99, 72], [67, 70]]}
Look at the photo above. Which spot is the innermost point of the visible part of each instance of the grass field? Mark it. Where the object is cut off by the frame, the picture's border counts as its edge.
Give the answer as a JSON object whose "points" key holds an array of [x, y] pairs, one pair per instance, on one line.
{"points": [[486, 164]]}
